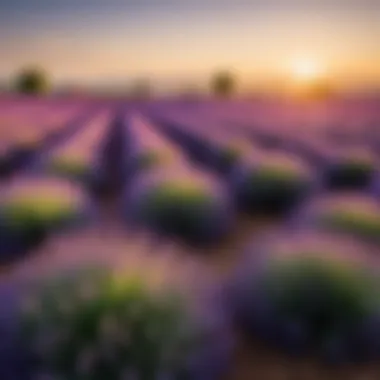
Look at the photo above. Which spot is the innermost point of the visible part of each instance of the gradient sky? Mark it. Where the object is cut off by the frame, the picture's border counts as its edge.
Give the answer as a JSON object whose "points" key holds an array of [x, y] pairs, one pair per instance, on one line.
{"points": [[113, 40]]}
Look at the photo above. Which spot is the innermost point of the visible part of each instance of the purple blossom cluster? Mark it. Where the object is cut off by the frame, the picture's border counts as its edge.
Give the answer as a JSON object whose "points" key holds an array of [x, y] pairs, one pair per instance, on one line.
{"points": [[33, 207], [192, 174]]}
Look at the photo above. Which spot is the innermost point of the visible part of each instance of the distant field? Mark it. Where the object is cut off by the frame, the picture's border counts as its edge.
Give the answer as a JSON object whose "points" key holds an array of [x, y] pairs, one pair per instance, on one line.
{"points": [[205, 193]]}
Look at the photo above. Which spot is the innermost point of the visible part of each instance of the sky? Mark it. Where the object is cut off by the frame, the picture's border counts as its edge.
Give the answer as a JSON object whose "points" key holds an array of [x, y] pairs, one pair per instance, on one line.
{"points": [[113, 40]]}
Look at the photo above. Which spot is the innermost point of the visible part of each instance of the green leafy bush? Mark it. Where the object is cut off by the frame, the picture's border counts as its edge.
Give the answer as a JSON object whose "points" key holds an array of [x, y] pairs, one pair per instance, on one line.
{"points": [[94, 325], [32, 81], [69, 168], [223, 84], [314, 302], [30, 210], [325, 294], [360, 220], [350, 172], [151, 159], [270, 187], [189, 210], [42, 211]]}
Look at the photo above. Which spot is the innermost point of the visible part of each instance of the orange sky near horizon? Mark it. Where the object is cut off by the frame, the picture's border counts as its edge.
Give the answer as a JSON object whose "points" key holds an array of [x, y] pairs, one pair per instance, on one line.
{"points": [[186, 44]]}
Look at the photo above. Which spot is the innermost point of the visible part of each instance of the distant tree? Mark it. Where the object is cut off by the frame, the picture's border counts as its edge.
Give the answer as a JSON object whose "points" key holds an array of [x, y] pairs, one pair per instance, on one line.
{"points": [[141, 89], [223, 84], [32, 81], [3, 87]]}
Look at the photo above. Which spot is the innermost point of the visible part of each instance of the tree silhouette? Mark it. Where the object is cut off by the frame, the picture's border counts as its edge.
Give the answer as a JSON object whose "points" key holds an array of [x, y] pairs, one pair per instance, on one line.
{"points": [[141, 89], [223, 84], [32, 81]]}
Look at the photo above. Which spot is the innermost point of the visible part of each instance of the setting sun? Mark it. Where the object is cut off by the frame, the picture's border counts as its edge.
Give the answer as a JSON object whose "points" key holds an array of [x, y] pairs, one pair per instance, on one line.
{"points": [[308, 79], [306, 70]]}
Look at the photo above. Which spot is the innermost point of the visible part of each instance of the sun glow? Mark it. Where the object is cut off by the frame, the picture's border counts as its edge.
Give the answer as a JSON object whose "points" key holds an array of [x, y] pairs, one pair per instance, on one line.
{"points": [[305, 70], [308, 79]]}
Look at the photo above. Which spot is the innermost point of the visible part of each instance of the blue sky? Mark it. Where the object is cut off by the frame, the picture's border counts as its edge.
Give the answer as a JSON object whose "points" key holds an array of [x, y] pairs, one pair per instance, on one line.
{"points": [[114, 39]]}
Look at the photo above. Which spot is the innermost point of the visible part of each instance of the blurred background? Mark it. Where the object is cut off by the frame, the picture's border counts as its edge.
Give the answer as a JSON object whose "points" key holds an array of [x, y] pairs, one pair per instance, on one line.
{"points": [[160, 48]]}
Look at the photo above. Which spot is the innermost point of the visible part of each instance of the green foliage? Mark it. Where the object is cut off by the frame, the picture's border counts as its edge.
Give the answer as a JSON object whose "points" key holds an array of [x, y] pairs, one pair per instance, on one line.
{"points": [[170, 200], [187, 210], [25, 222], [69, 168], [325, 295], [223, 84], [32, 81], [151, 159], [272, 189], [359, 223], [97, 326], [351, 173], [43, 211]]}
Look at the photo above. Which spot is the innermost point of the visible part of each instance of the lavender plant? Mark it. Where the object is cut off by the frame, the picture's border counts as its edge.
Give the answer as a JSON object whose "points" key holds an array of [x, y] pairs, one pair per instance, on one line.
{"points": [[29, 210], [311, 302], [96, 325], [354, 171], [270, 187], [351, 216], [180, 206]]}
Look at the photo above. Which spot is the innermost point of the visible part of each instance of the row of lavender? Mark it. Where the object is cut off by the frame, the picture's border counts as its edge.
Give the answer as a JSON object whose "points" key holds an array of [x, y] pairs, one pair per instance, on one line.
{"points": [[167, 192], [163, 318], [304, 290], [268, 181], [245, 179], [166, 331], [313, 284], [48, 193], [174, 196], [25, 125]]}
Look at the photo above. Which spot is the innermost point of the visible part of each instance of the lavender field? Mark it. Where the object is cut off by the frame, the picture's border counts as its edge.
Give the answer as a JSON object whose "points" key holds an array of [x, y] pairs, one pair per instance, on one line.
{"points": [[174, 239]]}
